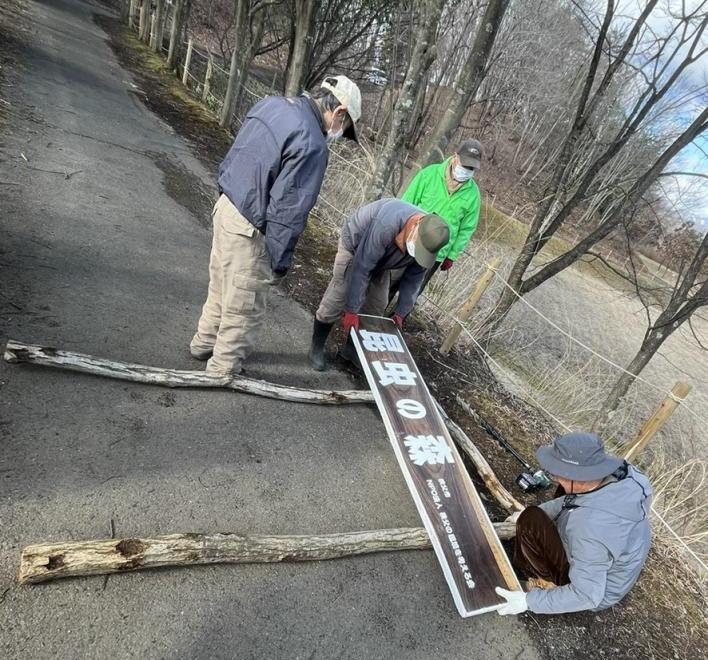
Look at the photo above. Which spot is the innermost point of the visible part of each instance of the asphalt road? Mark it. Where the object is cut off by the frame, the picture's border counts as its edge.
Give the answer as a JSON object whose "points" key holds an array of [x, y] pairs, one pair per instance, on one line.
{"points": [[98, 257]]}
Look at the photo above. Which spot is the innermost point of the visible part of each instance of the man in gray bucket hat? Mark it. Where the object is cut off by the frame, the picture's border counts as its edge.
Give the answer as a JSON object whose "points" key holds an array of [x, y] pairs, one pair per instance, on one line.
{"points": [[585, 549]]}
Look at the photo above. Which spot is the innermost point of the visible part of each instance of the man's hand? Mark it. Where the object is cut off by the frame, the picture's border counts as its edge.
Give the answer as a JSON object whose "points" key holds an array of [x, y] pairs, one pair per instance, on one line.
{"points": [[515, 601], [398, 320], [446, 264], [350, 320]]}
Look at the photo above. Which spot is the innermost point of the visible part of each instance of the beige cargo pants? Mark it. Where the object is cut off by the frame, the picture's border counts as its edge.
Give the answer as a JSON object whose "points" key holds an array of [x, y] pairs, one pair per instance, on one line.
{"points": [[333, 303], [239, 276]]}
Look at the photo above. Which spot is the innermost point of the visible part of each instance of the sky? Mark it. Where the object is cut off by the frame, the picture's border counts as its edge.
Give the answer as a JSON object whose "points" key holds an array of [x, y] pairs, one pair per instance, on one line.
{"points": [[687, 194]]}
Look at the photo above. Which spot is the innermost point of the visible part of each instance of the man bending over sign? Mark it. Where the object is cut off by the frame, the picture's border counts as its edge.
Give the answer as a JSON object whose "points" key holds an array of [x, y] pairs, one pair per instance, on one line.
{"points": [[377, 238], [588, 546]]}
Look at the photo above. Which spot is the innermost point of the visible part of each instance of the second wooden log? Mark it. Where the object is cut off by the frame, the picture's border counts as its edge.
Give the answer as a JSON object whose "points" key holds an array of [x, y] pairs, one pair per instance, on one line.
{"points": [[50, 561]]}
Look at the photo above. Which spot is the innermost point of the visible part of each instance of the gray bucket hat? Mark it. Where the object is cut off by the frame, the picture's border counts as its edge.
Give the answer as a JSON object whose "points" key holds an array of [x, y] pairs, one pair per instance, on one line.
{"points": [[577, 456]]}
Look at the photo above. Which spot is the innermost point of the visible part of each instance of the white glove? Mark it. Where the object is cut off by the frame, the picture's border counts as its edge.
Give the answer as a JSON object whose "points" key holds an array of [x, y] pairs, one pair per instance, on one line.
{"points": [[515, 601], [514, 516]]}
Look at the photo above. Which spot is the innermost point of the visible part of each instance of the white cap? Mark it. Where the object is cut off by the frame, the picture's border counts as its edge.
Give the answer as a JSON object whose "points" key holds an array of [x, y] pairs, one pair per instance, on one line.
{"points": [[347, 93]]}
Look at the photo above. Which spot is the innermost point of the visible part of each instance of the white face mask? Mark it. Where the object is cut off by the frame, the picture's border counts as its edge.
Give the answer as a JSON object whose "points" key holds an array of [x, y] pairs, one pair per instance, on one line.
{"points": [[333, 136], [410, 246], [461, 174]]}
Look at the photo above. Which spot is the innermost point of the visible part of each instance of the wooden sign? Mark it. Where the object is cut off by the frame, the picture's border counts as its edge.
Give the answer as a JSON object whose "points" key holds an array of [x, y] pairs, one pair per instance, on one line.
{"points": [[469, 551]]}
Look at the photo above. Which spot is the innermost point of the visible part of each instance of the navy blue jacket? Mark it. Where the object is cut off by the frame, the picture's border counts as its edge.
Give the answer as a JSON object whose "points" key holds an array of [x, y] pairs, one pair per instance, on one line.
{"points": [[274, 170], [370, 233]]}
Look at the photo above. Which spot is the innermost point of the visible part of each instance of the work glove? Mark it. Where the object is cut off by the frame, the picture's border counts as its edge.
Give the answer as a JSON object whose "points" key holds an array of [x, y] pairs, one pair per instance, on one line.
{"points": [[398, 320], [514, 516], [350, 320], [446, 264], [515, 602]]}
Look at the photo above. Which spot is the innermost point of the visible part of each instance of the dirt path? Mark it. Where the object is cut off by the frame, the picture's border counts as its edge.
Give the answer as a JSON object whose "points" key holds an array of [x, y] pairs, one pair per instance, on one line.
{"points": [[104, 249]]}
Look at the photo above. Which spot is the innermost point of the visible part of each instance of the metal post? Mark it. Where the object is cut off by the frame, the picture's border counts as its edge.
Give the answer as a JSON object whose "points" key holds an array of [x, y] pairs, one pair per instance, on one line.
{"points": [[465, 311]]}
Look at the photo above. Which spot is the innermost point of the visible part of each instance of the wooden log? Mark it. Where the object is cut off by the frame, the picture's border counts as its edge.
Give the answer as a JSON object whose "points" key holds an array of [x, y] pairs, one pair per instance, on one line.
{"points": [[19, 352], [495, 487], [51, 561]]}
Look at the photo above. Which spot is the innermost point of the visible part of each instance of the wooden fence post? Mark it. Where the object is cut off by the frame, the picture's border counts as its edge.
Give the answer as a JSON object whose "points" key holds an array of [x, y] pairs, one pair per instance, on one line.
{"points": [[207, 79], [657, 420], [187, 61], [465, 311]]}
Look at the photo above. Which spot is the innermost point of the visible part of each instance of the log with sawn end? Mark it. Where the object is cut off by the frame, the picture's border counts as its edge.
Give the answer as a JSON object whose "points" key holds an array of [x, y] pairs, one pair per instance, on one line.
{"points": [[50, 561]]}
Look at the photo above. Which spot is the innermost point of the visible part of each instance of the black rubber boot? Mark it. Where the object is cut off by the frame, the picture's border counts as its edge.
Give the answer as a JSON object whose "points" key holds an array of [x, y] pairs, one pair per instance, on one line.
{"points": [[320, 332], [348, 353]]}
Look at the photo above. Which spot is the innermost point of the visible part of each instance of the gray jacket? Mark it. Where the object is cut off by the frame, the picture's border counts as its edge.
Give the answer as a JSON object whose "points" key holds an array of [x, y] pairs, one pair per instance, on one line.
{"points": [[274, 170], [606, 536], [369, 233]]}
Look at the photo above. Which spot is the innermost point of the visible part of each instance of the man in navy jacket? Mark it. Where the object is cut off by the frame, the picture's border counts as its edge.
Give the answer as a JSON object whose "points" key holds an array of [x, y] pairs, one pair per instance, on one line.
{"points": [[269, 182]]}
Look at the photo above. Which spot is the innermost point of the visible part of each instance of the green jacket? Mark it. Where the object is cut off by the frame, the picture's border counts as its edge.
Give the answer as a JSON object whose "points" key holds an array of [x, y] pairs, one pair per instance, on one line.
{"points": [[428, 191]]}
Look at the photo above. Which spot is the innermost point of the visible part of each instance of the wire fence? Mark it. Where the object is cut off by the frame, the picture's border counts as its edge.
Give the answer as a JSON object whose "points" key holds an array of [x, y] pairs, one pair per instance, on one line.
{"points": [[561, 347]]}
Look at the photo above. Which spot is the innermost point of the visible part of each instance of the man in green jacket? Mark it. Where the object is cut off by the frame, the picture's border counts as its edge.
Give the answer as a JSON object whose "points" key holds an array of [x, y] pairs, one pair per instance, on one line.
{"points": [[448, 190]]}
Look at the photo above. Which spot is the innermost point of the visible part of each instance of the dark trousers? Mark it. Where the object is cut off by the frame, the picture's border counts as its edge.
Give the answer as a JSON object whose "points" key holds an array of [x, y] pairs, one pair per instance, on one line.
{"points": [[393, 288], [538, 550]]}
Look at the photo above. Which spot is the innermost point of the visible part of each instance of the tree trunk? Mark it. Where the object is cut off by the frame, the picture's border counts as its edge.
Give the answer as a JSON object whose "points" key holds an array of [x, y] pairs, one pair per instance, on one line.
{"points": [[237, 62], [305, 11], [124, 10], [175, 33], [685, 299], [651, 344], [416, 74], [467, 84], [156, 43], [144, 23], [51, 561]]}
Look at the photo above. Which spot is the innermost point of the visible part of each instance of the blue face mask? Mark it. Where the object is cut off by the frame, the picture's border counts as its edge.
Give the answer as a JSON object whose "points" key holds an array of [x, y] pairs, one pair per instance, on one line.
{"points": [[462, 174]]}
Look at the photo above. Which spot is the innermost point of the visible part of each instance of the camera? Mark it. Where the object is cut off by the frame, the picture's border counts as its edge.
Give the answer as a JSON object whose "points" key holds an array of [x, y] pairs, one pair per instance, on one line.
{"points": [[531, 482]]}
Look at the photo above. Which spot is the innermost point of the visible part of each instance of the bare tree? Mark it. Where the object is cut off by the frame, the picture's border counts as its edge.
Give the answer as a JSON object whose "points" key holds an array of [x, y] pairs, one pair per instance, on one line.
{"points": [[248, 21], [468, 82], [427, 15], [574, 180], [689, 294], [345, 35]]}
